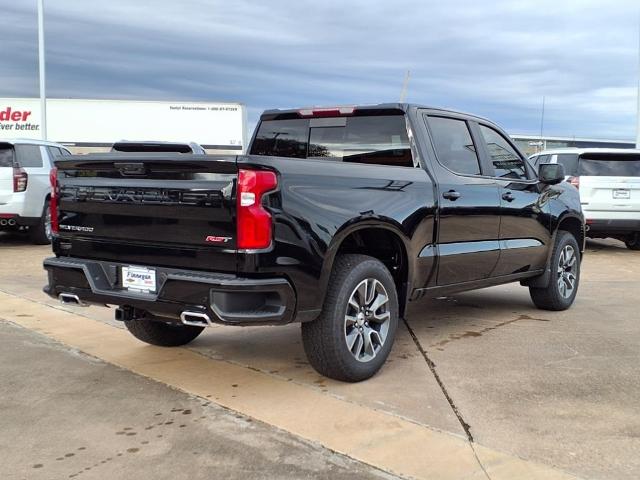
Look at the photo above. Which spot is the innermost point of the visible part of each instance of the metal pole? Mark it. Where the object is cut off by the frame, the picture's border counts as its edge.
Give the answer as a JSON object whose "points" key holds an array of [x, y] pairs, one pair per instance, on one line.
{"points": [[542, 141], [41, 68], [638, 94], [405, 86]]}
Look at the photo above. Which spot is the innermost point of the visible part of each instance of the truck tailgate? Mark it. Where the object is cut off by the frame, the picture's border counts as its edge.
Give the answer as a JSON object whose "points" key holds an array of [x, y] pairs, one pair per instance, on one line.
{"points": [[164, 210]]}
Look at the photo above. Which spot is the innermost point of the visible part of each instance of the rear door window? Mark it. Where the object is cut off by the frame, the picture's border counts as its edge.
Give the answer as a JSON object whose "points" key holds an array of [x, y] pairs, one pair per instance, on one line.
{"points": [[506, 161], [28, 156], [570, 163], [375, 140], [6, 156], [610, 166], [454, 146]]}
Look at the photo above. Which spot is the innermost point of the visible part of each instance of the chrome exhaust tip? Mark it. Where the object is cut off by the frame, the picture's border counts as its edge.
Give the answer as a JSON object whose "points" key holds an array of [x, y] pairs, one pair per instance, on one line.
{"points": [[195, 319], [71, 299], [3, 222], [11, 222]]}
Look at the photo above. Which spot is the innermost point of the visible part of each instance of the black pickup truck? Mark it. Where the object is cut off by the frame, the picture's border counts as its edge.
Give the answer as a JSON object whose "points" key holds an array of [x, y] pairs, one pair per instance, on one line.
{"points": [[336, 218]]}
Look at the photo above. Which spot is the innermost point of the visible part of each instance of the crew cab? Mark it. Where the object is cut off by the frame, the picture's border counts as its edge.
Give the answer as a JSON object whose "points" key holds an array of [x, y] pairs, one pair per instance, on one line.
{"points": [[609, 183], [337, 218], [24, 186]]}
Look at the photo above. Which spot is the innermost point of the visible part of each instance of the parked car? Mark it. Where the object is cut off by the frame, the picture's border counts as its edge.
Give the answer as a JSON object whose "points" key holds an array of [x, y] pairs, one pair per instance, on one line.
{"points": [[25, 187], [336, 219], [609, 184], [157, 147]]}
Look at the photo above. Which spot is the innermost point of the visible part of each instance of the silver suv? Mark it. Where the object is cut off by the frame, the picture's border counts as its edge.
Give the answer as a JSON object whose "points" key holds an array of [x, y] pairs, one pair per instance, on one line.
{"points": [[25, 166]]}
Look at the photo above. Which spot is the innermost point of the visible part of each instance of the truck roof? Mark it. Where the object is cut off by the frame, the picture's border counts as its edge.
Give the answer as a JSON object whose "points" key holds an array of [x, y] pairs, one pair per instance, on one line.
{"points": [[405, 107]]}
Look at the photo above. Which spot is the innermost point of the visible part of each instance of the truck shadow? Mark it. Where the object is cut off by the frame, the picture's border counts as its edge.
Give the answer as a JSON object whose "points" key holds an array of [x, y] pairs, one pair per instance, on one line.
{"points": [[13, 239]]}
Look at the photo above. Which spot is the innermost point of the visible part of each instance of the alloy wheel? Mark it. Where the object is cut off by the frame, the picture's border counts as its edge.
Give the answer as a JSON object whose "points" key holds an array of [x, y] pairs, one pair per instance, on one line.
{"points": [[567, 271], [366, 321]]}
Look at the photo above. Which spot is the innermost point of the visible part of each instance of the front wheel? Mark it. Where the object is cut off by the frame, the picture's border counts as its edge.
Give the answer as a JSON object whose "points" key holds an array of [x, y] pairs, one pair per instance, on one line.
{"points": [[160, 333], [565, 275], [633, 241], [352, 337]]}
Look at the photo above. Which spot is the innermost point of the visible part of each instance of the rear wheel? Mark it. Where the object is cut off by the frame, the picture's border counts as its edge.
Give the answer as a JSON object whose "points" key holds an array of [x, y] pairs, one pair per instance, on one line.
{"points": [[565, 275], [633, 241], [160, 333], [41, 233], [353, 336]]}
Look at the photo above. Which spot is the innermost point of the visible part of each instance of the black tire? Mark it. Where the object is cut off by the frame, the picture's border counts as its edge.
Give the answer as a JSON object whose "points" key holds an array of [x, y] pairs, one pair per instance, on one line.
{"points": [[38, 233], [325, 339], [633, 241], [551, 296], [162, 334]]}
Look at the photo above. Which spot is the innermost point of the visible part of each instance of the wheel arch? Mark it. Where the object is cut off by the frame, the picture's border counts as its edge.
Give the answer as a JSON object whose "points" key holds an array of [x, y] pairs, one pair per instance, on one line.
{"points": [[574, 225], [391, 248], [569, 223]]}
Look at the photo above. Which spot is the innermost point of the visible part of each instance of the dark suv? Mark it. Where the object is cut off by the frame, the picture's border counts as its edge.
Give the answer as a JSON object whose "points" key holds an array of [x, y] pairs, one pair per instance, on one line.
{"points": [[336, 219]]}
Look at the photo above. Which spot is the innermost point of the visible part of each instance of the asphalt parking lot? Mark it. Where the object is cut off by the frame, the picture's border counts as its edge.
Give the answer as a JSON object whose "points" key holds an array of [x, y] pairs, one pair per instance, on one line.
{"points": [[536, 394]]}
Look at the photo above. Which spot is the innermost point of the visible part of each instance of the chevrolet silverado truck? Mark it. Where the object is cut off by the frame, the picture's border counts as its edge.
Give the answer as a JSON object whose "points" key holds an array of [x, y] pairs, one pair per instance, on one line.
{"points": [[336, 218]]}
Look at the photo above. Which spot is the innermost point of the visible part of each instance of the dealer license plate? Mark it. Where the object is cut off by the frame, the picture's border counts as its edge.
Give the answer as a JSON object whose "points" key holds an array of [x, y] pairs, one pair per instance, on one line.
{"points": [[621, 193], [139, 279]]}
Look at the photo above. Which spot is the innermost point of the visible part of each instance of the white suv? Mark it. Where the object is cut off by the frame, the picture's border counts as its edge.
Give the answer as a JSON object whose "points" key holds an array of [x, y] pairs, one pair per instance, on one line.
{"points": [[24, 186], [609, 183]]}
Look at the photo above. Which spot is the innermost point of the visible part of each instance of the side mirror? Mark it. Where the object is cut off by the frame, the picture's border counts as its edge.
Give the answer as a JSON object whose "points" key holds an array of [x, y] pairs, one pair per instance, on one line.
{"points": [[550, 173]]}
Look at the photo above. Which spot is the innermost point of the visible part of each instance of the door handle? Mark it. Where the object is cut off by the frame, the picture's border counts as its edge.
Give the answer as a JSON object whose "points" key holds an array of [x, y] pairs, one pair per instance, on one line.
{"points": [[451, 195], [508, 196]]}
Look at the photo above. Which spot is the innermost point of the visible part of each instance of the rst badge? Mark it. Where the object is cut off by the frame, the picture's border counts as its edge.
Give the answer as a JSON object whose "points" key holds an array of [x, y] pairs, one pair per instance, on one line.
{"points": [[217, 239]]}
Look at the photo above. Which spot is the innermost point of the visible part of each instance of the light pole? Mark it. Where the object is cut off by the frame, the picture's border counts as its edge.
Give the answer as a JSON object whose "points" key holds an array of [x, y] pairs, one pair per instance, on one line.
{"points": [[638, 94], [41, 63]]}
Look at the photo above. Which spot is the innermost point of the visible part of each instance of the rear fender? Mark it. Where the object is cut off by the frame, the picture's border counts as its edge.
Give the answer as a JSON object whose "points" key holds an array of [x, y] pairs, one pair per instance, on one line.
{"points": [[344, 232]]}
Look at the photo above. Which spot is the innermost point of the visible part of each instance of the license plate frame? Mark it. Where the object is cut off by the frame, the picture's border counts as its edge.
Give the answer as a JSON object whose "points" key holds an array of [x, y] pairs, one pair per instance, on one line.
{"points": [[138, 279], [621, 194]]}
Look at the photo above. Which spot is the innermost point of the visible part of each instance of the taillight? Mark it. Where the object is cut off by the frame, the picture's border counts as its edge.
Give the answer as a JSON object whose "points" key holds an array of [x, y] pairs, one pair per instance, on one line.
{"points": [[53, 201], [254, 222], [20, 179], [575, 181]]}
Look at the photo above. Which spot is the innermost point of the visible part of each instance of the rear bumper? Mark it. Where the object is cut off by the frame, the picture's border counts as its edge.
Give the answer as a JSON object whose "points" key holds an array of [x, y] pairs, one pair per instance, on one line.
{"points": [[12, 220], [224, 298], [612, 227]]}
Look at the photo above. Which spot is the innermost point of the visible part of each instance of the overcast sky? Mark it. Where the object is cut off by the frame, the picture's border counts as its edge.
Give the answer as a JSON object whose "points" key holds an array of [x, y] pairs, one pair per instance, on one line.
{"points": [[496, 59]]}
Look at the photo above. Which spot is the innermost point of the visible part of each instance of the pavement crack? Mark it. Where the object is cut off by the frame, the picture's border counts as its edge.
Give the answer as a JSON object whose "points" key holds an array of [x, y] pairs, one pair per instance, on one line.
{"points": [[432, 367]]}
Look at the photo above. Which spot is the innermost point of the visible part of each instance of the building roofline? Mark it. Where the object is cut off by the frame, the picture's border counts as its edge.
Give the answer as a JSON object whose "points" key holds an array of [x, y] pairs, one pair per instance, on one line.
{"points": [[518, 136]]}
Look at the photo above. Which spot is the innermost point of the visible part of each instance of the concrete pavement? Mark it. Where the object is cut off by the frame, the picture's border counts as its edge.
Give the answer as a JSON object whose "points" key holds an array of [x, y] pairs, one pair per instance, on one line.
{"points": [[68, 415], [555, 389]]}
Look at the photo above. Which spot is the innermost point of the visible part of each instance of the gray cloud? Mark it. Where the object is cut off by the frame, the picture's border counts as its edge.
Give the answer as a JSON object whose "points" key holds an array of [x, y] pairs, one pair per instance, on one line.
{"points": [[495, 59]]}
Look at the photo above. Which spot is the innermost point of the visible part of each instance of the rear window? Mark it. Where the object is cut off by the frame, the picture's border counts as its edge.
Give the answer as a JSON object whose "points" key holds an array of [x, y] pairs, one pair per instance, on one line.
{"points": [[610, 166], [377, 140], [6, 156], [28, 155]]}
